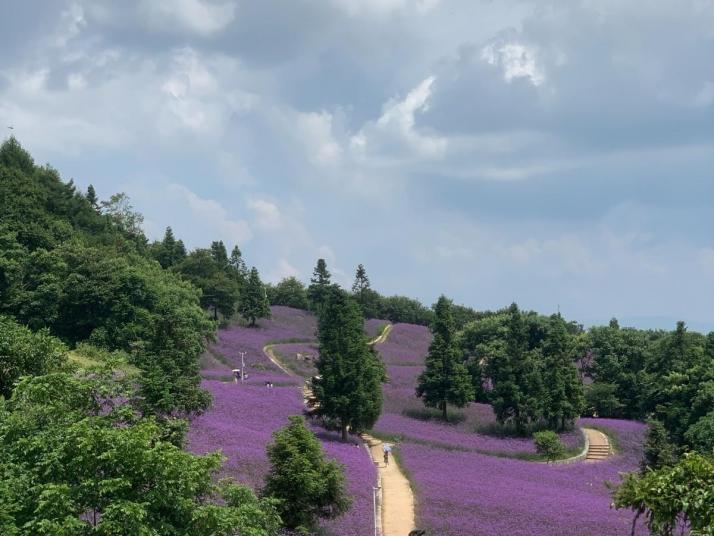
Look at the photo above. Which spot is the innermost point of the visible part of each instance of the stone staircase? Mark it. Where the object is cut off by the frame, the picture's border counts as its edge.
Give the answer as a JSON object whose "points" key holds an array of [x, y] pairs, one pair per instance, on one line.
{"points": [[599, 448]]}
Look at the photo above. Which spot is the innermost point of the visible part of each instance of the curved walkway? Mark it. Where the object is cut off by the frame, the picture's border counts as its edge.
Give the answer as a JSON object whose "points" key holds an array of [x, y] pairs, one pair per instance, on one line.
{"points": [[396, 496], [599, 447], [269, 351]]}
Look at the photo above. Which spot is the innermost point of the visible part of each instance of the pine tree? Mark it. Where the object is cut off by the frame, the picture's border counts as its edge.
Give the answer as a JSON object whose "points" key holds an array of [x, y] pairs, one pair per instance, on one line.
{"points": [[658, 450], [445, 380], [319, 283], [253, 301], [564, 399], [306, 485], [238, 264], [348, 386], [361, 285], [219, 254], [92, 197]]}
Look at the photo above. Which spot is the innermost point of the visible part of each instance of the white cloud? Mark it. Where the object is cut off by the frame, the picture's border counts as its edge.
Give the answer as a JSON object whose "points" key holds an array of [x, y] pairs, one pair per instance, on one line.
{"points": [[282, 270], [212, 214], [194, 16], [315, 130], [517, 60], [384, 7], [395, 133], [267, 214]]}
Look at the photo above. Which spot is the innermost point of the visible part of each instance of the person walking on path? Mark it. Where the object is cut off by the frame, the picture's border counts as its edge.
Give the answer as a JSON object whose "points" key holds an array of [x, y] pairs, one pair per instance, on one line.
{"points": [[387, 449]]}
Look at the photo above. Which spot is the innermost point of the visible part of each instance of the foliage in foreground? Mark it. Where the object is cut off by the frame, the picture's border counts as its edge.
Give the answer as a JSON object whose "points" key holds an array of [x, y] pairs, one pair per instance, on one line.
{"points": [[672, 499], [306, 485], [74, 460]]}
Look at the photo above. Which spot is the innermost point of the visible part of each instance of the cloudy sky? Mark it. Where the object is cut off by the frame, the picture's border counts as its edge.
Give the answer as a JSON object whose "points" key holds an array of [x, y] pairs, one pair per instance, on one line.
{"points": [[553, 153]]}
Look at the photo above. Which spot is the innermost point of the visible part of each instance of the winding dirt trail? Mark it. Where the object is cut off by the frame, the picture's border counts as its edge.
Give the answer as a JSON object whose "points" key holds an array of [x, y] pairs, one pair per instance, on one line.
{"points": [[269, 351]]}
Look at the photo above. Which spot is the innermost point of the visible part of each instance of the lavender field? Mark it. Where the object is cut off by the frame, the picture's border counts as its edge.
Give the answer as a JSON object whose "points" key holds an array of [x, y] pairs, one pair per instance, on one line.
{"points": [[243, 417], [465, 483], [460, 491]]}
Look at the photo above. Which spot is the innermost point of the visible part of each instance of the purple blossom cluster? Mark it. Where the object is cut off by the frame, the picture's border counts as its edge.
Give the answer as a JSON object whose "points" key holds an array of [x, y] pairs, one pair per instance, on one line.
{"points": [[407, 344]]}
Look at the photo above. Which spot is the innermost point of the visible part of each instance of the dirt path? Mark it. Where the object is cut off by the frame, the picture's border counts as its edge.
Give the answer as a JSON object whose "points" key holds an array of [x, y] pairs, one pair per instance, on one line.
{"points": [[383, 336], [599, 448], [269, 351], [397, 499]]}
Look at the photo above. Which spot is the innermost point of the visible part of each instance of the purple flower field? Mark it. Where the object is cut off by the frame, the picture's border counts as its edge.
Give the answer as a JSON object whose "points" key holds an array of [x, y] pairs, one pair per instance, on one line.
{"points": [[498, 496], [243, 417], [459, 489], [286, 324], [404, 352]]}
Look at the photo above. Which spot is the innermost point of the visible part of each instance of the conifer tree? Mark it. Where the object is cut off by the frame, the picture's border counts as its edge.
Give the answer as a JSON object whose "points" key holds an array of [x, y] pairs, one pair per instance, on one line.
{"points": [[361, 284], [92, 197], [348, 386], [319, 283], [564, 399], [306, 485], [445, 380], [219, 254], [238, 264], [253, 301]]}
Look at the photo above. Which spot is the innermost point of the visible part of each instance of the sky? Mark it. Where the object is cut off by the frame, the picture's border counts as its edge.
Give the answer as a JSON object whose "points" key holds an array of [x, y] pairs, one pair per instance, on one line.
{"points": [[559, 154]]}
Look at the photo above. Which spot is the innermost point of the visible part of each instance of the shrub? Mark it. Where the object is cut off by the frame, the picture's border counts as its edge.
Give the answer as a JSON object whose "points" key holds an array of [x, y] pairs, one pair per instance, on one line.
{"points": [[548, 444]]}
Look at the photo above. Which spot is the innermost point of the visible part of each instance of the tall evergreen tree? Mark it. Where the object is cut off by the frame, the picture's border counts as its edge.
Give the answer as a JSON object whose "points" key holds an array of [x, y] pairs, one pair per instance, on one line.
{"points": [[253, 301], [348, 386], [92, 197], [306, 485], [219, 254], [169, 251], [445, 379], [319, 284], [563, 397], [361, 285], [236, 262]]}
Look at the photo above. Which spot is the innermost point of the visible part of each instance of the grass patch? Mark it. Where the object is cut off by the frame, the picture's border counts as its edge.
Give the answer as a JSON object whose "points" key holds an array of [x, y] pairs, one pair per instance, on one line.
{"points": [[431, 414]]}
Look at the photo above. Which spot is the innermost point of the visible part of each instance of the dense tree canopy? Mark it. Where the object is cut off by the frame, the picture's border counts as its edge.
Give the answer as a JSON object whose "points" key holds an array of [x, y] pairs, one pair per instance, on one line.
{"points": [[75, 461]]}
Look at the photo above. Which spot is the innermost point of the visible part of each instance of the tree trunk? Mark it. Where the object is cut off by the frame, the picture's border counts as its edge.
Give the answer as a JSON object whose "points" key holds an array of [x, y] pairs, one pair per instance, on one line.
{"points": [[344, 432], [443, 411]]}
